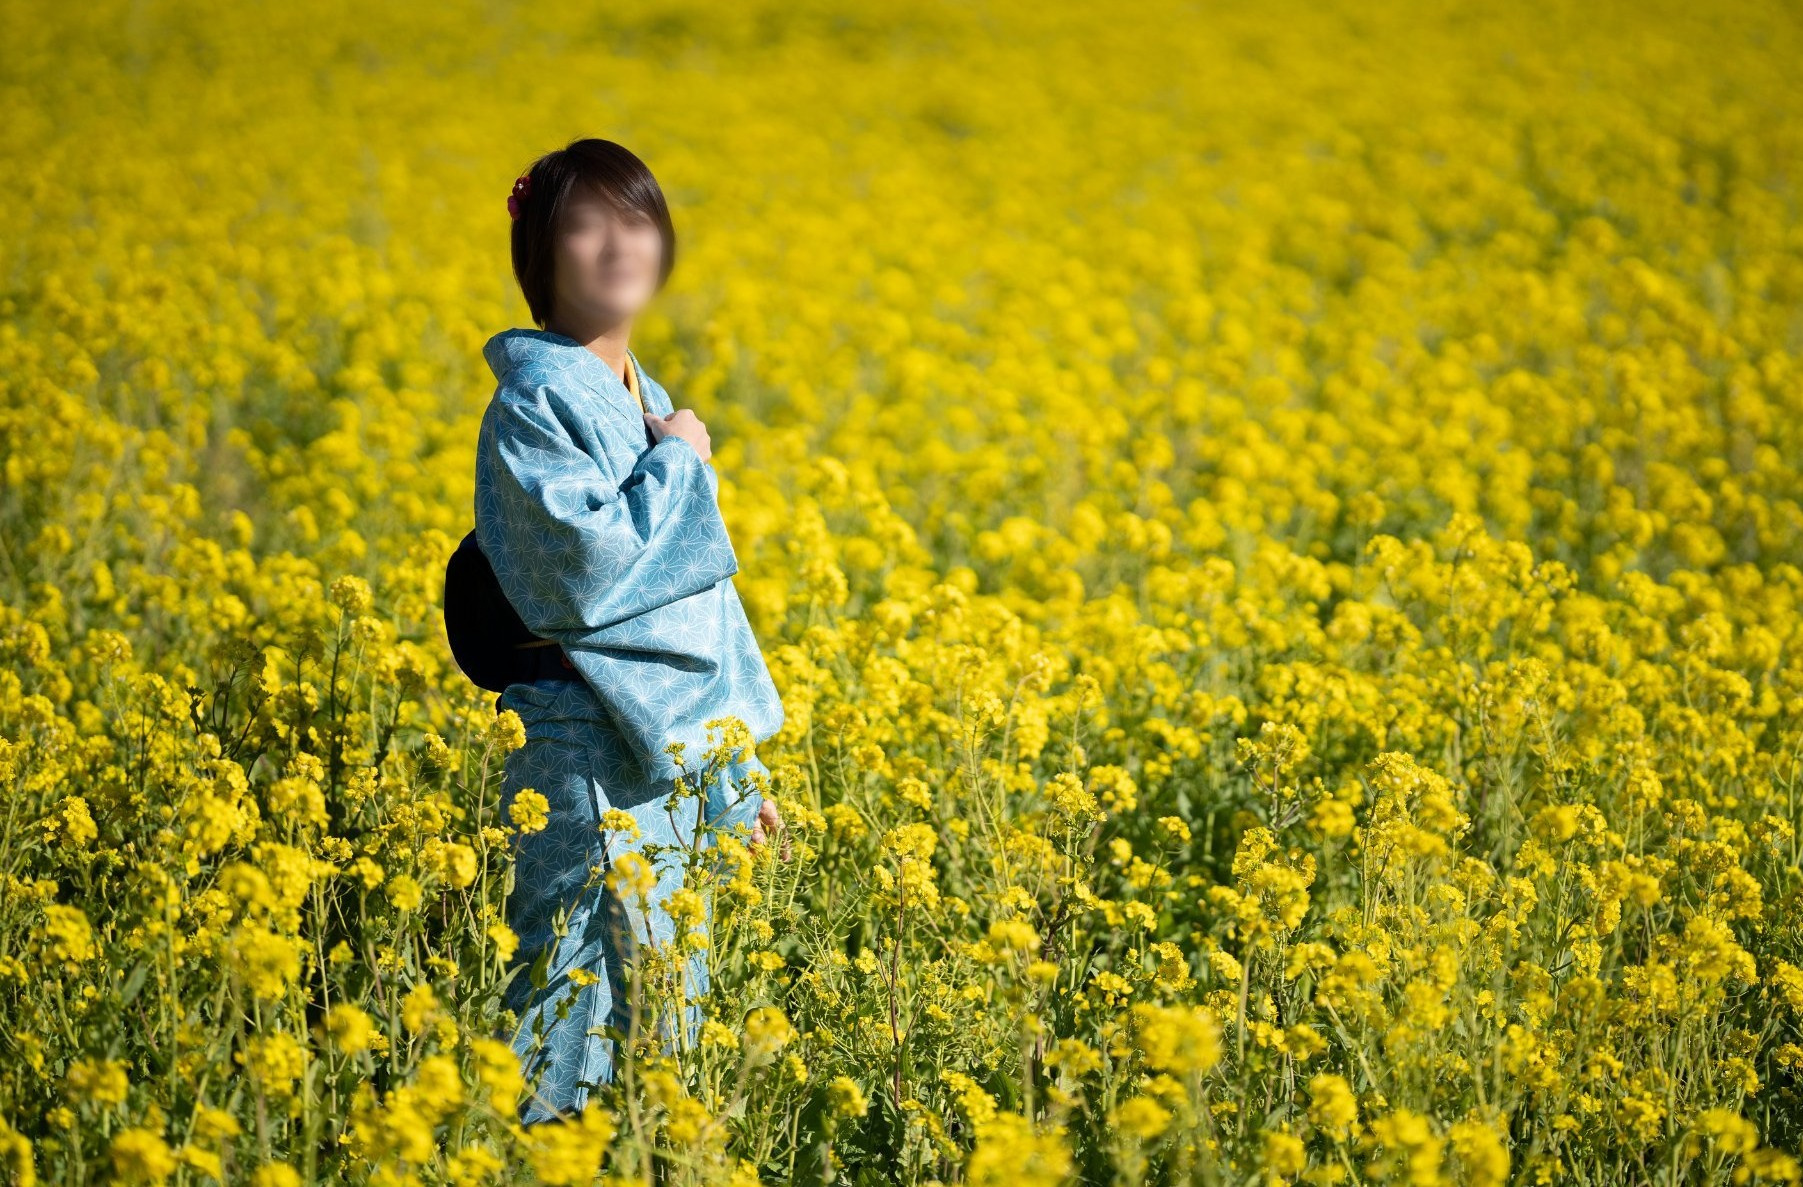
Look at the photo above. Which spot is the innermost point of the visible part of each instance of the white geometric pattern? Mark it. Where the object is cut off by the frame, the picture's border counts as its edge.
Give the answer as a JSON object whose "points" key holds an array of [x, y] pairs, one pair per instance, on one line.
{"points": [[616, 550]]}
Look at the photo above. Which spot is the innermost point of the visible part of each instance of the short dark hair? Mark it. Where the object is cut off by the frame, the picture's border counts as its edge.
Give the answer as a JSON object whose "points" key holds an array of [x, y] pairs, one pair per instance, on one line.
{"points": [[614, 173]]}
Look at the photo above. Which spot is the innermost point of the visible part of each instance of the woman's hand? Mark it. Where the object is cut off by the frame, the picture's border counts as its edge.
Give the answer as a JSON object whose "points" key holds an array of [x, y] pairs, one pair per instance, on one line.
{"points": [[681, 423], [769, 821]]}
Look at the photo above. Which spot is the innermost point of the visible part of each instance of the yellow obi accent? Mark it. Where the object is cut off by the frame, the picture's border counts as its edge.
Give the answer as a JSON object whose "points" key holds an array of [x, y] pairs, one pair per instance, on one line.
{"points": [[632, 383]]}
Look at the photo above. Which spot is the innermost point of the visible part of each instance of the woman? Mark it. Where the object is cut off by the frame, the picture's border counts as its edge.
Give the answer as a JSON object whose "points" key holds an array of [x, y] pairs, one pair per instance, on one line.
{"points": [[596, 506]]}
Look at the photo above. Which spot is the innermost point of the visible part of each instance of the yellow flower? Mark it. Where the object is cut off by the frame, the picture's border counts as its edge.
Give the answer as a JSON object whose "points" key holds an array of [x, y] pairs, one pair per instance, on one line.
{"points": [[275, 1174], [215, 1125], [70, 824], [845, 1098], [67, 933], [349, 1028], [1283, 1156], [505, 940], [911, 840], [1404, 1149], [275, 1061], [497, 1069], [266, 962], [453, 861], [102, 1081], [419, 1008], [405, 892], [1071, 802], [767, 1030], [687, 910], [141, 1156], [1178, 1039], [1482, 1154], [1013, 935], [1727, 1130], [352, 594], [620, 821], [529, 811], [1333, 1108], [1010, 1151], [1786, 981], [508, 732], [1142, 1117], [16, 1157], [565, 1155], [631, 877]]}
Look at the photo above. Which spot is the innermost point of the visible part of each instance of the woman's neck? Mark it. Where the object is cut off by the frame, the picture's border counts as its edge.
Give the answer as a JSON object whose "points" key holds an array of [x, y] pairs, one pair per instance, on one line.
{"points": [[606, 342]]}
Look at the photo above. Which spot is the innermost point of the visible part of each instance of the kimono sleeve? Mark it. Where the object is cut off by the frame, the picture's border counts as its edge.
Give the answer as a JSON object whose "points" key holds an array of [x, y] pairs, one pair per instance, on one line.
{"points": [[576, 552]]}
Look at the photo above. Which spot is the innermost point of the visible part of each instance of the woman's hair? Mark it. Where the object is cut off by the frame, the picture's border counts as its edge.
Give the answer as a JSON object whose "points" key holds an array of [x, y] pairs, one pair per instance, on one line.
{"points": [[611, 171]]}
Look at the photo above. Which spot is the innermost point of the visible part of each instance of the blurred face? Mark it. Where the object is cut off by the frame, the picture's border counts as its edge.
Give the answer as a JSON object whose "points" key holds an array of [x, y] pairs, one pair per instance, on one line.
{"points": [[607, 261]]}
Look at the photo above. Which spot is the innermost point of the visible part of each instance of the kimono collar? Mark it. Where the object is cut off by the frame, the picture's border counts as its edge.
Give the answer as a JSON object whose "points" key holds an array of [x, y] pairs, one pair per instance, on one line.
{"points": [[535, 356]]}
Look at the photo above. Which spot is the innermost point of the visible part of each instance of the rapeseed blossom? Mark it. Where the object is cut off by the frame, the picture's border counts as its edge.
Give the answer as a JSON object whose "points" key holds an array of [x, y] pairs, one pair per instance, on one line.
{"points": [[1276, 529]]}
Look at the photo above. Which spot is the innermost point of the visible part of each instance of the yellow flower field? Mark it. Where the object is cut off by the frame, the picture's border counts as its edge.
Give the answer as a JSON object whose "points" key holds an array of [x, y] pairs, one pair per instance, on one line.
{"points": [[1278, 527]]}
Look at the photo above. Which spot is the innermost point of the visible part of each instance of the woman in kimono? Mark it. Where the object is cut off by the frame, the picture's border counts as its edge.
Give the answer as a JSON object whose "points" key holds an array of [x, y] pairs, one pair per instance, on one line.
{"points": [[596, 506]]}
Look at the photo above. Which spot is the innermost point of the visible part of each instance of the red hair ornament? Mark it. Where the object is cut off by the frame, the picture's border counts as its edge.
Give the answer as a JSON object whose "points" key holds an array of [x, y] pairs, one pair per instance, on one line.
{"points": [[516, 201]]}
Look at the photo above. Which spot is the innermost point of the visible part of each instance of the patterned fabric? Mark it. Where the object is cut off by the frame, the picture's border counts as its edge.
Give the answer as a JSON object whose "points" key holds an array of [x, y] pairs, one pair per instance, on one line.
{"points": [[614, 548]]}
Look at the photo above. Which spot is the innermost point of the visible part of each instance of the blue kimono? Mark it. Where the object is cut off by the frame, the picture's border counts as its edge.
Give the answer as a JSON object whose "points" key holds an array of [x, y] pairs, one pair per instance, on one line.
{"points": [[614, 548]]}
